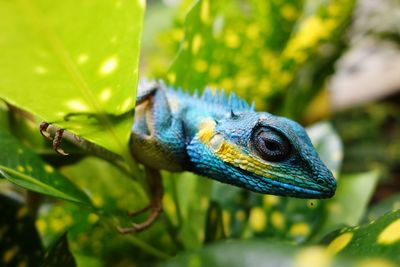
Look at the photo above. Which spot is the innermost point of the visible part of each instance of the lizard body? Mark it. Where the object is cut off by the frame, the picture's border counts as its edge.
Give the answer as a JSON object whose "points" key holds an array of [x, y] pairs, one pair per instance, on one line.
{"points": [[225, 139], [219, 137]]}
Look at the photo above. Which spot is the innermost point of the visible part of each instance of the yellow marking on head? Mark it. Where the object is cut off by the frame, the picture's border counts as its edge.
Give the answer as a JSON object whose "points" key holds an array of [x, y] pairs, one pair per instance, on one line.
{"points": [[257, 219], [390, 234], [340, 242], [230, 153], [206, 131]]}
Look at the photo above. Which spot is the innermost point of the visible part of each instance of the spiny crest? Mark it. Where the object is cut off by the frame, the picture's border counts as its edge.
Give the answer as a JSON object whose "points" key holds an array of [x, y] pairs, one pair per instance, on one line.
{"points": [[232, 102]]}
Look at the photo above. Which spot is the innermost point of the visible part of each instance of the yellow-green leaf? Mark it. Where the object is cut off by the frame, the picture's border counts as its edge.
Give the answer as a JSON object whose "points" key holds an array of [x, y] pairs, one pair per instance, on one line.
{"points": [[74, 64]]}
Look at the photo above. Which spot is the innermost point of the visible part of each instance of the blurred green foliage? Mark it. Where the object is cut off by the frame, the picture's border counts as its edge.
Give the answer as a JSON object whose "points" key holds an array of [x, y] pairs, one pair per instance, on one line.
{"points": [[81, 67], [280, 51], [25, 168]]}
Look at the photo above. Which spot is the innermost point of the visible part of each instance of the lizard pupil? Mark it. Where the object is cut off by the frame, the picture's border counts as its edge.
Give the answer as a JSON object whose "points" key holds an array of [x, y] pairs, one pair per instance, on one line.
{"points": [[271, 145]]}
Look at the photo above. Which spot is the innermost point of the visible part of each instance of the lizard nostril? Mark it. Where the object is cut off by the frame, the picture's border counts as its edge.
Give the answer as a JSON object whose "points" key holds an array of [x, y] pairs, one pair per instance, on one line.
{"points": [[320, 181]]}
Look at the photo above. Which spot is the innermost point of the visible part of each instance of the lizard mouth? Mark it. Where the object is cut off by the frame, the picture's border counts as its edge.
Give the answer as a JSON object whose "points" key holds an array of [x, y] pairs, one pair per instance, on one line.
{"points": [[301, 192], [267, 185]]}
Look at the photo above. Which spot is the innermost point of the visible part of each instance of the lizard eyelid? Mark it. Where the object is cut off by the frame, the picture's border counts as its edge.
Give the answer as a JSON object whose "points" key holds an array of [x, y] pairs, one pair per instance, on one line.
{"points": [[270, 144]]}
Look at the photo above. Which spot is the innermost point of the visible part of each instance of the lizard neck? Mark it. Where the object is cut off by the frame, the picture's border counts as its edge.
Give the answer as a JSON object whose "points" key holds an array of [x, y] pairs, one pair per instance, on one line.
{"points": [[193, 112]]}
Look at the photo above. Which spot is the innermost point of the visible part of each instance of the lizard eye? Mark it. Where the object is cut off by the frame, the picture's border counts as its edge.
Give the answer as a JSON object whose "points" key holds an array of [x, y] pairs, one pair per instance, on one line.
{"points": [[271, 145]]}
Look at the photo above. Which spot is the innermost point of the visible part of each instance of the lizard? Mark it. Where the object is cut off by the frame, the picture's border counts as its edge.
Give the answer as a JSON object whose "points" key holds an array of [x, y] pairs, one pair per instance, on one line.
{"points": [[223, 138]]}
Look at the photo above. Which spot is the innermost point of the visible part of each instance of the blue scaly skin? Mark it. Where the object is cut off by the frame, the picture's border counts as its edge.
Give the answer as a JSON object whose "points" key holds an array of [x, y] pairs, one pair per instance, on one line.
{"points": [[225, 139]]}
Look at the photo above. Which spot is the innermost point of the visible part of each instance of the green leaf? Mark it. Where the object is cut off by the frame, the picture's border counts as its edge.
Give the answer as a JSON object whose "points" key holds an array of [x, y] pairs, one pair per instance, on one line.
{"points": [[60, 255], [328, 145], [113, 193], [19, 241], [349, 204], [214, 224], [374, 244], [186, 202], [377, 239], [86, 261], [74, 64], [94, 233], [237, 253], [25, 168], [269, 253], [388, 204]]}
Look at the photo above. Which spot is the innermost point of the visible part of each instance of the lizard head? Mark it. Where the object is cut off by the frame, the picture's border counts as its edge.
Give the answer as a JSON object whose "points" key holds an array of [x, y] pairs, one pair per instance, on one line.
{"points": [[262, 153]]}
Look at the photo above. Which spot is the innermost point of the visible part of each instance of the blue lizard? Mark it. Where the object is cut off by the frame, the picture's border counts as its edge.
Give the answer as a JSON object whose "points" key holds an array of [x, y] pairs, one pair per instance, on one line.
{"points": [[225, 139]]}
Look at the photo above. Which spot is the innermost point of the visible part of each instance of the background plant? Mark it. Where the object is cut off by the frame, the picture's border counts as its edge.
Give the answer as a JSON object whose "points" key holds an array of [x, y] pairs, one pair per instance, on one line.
{"points": [[76, 65]]}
